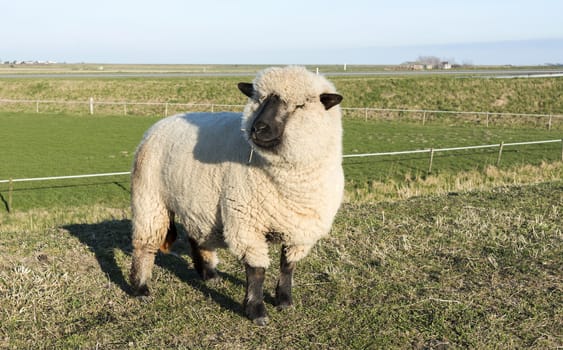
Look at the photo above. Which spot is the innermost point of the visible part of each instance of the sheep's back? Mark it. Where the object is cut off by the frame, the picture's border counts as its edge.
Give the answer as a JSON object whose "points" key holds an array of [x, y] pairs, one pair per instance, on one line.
{"points": [[186, 158]]}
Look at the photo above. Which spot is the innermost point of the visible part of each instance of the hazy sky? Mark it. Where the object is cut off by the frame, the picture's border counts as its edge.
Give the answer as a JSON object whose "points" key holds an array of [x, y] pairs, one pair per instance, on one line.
{"points": [[290, 31]]}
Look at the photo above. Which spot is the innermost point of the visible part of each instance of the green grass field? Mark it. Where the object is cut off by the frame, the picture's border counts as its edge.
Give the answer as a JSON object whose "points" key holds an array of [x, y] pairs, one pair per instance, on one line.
{"points": [[44, 145], [469, 256]]}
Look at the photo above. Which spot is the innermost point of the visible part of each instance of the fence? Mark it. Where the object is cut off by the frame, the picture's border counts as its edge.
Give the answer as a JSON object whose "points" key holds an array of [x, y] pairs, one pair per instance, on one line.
{"points": [[121, 107], [484, 118], [168, 108], [430, 151]]}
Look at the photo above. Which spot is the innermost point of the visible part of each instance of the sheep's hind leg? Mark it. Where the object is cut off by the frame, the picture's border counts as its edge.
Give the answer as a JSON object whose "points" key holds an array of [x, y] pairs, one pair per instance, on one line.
{"points": [[148, 236], [204, 260], [284, 299], [141, 270], [254, 300]]}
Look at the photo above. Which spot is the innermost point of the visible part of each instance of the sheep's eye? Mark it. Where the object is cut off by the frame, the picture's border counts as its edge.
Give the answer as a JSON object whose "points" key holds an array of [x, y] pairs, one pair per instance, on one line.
{"points": [[301, 106]]}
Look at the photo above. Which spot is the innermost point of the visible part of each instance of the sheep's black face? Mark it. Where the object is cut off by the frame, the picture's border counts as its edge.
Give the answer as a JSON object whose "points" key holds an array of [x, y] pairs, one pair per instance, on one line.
{"points": [[269, 122]]}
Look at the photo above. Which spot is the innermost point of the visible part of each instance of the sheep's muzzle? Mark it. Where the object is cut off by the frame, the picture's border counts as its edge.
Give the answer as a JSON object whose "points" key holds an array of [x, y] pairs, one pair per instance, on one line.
{"points": [[269, 123]]}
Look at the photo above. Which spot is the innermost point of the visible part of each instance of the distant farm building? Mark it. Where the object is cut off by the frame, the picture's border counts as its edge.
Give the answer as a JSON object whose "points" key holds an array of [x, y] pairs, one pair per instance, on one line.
{"points": [[426, 66]]}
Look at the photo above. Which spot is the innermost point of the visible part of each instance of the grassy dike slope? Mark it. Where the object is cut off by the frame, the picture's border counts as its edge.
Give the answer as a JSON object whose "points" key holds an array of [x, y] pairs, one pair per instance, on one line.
{"points": [[519, 95]]}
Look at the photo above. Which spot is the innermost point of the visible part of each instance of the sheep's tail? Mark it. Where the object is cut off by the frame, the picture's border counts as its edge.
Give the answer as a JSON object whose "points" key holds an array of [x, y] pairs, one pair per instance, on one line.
{"points": [[171, 236]]}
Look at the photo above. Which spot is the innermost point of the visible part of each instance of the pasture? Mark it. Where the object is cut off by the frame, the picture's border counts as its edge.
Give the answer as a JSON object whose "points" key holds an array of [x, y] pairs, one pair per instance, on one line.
{"points": [[468, 256], [43, 145], [479, 269]]}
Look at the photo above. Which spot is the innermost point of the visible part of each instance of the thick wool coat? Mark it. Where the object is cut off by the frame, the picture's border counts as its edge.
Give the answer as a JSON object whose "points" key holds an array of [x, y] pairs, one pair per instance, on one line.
{"points": [[228, 192]]}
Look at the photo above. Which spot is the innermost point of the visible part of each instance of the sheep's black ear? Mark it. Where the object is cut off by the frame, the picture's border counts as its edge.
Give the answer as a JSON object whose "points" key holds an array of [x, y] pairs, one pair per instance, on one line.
{"points": [[246, 88], [330, 100]]}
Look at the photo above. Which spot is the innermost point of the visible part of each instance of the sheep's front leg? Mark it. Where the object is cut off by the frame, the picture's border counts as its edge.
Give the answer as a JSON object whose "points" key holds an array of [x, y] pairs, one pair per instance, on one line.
{"points": [[254, 300], [284, 299]]}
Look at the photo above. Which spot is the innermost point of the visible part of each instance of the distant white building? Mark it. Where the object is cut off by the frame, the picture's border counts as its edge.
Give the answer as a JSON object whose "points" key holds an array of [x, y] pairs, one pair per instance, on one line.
{"points": [[445, 65]]}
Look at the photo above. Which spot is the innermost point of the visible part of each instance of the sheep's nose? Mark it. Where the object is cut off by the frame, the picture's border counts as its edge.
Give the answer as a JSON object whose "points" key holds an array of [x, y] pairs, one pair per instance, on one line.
{"points": [[268, 124], [265, 135], [260, 127]]}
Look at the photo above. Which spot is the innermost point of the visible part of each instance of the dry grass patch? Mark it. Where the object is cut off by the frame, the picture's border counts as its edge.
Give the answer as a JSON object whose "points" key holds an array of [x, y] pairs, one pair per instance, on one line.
{"points": [[444, 183], [476, 269]]}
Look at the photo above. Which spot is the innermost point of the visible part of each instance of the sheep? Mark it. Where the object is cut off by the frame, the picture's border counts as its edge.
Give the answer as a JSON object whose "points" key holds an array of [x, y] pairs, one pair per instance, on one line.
{"points": [[272, 174]]}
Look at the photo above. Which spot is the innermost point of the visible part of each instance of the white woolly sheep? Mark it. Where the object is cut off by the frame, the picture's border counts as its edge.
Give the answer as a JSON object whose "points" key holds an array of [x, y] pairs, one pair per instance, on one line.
{"points": [[272, 174]]}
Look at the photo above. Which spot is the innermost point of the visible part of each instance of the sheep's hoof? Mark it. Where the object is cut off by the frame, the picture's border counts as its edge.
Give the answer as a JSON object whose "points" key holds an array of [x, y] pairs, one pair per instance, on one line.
{"points": [[141, 290], [257, 313], [261, 321], [142, 293], [284, 306], [283, 298], [209, 275], [145, 298]]}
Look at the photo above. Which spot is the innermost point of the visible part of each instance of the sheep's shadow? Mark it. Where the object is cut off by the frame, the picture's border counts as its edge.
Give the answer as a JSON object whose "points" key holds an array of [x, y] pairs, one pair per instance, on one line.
{"points": [[104, 238]]}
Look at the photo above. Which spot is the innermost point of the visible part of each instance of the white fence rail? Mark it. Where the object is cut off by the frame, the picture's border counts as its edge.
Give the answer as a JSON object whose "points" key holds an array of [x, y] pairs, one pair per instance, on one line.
{"points": [[501, 146], [168, 108], [91, 104], [430, 151], [65, 177]]}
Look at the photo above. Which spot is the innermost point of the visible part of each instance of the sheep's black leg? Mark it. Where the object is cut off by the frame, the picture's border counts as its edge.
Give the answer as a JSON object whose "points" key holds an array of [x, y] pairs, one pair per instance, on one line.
{"points": [[283, 289], [203, 261], [254, 300]]}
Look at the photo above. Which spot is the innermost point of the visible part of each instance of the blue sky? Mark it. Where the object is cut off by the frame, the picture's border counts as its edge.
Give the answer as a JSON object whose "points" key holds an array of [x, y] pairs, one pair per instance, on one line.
{"points": [[282, 32]]}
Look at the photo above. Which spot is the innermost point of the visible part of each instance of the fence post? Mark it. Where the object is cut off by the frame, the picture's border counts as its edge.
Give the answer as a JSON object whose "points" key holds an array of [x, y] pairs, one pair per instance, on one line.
{"points": [[366, 114], [124, 108], [212, 108], [423, 117], [166, 109], [91, 106], [37, 106], [562, 150], [10, 190], [487, 122], [549, 123], [500, 152], [431, 160]]}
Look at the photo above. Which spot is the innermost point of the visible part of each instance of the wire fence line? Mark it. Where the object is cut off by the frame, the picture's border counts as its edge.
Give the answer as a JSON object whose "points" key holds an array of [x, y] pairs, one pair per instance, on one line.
{"points": [[430, 151], [125, 106], [165, 109], [66, 177], [168, 108]]}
